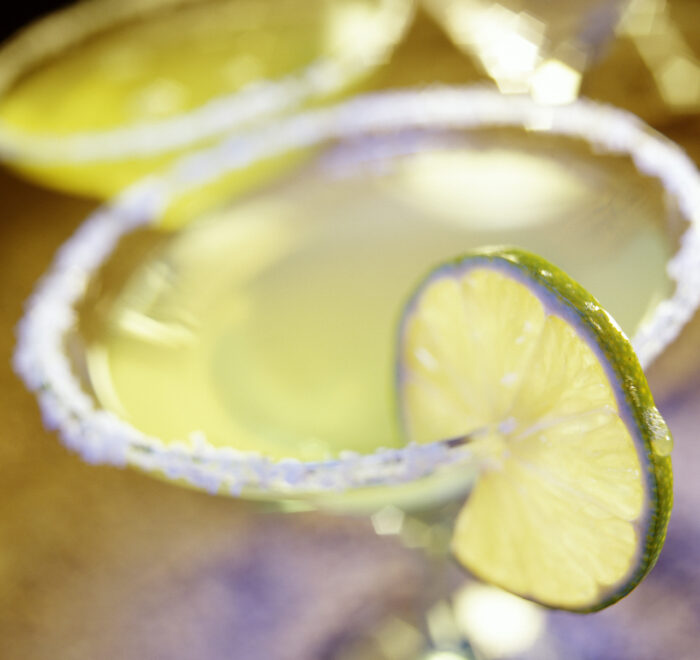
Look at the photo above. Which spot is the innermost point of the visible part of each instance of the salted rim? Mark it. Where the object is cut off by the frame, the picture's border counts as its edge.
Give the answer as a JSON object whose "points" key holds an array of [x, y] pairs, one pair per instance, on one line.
{"points": [[262, 99], [101, 437]]}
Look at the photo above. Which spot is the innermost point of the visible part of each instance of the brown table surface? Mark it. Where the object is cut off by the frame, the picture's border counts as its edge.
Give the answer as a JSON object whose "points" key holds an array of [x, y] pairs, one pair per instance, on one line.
{"points": [[97, 562]]}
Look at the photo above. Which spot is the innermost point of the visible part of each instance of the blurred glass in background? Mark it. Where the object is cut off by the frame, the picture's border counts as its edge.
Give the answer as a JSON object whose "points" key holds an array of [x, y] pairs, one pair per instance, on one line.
{"points": [[100, 94], [132, 84]]}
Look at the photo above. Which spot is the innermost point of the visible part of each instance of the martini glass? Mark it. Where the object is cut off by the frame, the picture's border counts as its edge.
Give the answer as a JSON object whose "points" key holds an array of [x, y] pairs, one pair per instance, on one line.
{"points": [[251, 352], [131, 85]]}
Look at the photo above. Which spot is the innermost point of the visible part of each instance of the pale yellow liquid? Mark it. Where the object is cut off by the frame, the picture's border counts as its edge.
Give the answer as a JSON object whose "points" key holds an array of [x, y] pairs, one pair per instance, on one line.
{"points": [[270, 325], [173, 61]]}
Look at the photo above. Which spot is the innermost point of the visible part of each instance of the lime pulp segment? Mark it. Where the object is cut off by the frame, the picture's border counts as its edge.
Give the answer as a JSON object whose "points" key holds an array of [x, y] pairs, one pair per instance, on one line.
{"points": [[575, 493]]}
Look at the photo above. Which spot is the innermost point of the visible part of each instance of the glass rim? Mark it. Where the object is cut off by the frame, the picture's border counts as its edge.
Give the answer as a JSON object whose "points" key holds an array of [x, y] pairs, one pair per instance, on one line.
{"points": [[100, 436], [47, 37]]}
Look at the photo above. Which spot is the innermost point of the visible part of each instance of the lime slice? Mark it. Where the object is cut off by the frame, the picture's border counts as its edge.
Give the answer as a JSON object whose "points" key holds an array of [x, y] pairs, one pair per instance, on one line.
{"points": [[575, 488]]}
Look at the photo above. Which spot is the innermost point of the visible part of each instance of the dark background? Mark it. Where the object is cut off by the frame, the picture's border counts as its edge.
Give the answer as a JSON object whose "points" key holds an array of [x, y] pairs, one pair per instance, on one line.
{"points": [[17, 14]]}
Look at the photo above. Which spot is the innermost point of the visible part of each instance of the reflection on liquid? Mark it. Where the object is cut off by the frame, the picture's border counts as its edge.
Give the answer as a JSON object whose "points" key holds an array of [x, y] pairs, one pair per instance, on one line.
{"points": [[467, 187]]}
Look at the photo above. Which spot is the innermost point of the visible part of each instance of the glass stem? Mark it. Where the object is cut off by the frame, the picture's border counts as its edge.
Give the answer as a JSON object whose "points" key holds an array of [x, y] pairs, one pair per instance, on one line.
{"points": [[444, 638]]}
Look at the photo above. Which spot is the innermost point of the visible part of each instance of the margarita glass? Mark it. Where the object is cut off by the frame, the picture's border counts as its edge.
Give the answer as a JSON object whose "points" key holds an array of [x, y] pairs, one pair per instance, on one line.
{"points": [[252, 353], [131, 85]]}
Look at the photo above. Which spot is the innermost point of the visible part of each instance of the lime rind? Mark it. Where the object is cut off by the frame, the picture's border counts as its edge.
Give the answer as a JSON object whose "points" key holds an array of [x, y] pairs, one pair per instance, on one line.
{"points": [[560, 295]]}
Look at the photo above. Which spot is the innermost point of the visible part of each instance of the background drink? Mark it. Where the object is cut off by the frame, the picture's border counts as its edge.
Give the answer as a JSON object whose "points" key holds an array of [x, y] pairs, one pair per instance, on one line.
{"points": [[125, 81]]}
